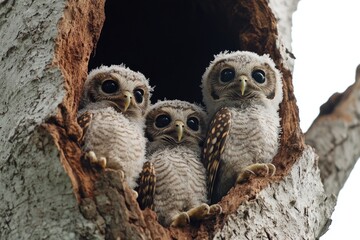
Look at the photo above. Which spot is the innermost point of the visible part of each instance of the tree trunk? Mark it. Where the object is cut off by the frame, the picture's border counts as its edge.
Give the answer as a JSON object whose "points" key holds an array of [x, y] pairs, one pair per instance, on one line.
{"points": [[45, 190]]}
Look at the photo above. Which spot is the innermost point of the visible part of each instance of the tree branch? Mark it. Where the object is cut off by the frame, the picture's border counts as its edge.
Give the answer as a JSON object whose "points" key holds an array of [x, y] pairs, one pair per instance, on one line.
{"points": [[335, 135]]}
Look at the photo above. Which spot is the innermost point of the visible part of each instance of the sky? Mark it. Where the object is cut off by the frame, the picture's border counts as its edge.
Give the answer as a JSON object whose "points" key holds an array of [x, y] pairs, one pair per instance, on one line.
{"points": [[326, 44]]}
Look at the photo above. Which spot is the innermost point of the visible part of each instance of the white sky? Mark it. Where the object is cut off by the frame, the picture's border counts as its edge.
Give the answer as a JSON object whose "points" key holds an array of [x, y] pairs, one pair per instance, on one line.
{"points": [[326, 44]]}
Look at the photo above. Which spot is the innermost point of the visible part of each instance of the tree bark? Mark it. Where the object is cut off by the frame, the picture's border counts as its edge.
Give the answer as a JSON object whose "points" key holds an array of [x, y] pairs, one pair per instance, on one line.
{"points": [[44, 54], [295, 207], [335, 135], [47, 192]]}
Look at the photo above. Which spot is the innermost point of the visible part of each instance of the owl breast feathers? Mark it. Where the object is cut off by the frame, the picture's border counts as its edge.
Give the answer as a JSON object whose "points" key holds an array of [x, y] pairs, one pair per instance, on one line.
{"points": [[116, 100], [242, 92]]}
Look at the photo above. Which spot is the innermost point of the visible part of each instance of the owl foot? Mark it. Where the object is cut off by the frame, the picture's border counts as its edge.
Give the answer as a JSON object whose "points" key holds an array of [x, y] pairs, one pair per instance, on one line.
{"points": [[199, 212], [258, 169], [204, 211], [94, 160], [180, 220], [215, 209]]}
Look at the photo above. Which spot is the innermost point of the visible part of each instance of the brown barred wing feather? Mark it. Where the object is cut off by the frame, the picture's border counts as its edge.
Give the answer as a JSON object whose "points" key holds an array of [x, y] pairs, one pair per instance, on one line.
{"points": [[215, 144], [84, 121], [146, 186]]}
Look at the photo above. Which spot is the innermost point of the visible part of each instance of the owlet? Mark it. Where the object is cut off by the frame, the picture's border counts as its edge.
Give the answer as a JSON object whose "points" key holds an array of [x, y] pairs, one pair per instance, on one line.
{"points": [[242, 92], [176, 130], [112, 110]]}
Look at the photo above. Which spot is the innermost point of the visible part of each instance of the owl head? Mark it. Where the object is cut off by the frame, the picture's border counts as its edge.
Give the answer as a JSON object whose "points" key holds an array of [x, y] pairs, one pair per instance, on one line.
{"points": [[174, 122], [241, 78], [118, 87]]}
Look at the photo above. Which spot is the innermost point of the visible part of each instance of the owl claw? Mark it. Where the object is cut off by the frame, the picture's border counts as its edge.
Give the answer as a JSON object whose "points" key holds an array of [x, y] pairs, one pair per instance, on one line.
{"points": [[258, 169], [215, 209], [136, 195], [94, 160], [180, 220], [203, 211], [251, 172], [199, 212], [272, 169], [102, 162]]}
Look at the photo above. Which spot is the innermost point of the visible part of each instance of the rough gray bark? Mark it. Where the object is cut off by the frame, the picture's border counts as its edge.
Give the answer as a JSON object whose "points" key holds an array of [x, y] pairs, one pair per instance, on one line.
{"points": [[335, 135], [45, 192], [37, 198], [283, 11], [294, 208]]}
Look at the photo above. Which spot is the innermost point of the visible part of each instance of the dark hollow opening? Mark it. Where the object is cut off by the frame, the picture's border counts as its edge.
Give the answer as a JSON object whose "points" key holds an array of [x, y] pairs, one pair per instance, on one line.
{"points": [[170, 42]]}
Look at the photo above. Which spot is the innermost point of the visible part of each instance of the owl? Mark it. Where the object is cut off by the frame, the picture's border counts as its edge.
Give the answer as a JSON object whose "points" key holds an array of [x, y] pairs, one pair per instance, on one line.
{"points": [[111, 112], [242, 92], [176, 130]]}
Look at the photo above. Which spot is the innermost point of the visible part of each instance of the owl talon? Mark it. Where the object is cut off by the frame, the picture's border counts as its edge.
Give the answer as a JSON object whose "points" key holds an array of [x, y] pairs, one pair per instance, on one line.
{"points": [[102, 162], [92, 158], [215, 209], [272, 169], [257, 169], [199, 212], [250, 172], [122, 174], [135, 194], [180, 220]]}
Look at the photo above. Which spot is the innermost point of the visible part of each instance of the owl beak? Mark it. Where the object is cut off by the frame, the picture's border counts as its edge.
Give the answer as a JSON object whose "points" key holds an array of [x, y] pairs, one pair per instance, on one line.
{"points": [[179, 129], [128, 97], [243, 83]]}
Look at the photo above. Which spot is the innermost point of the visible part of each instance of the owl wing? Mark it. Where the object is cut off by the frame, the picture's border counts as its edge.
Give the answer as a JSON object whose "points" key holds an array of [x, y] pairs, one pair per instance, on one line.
{"points": [[146, 186], [215, 144], [84, 121]]}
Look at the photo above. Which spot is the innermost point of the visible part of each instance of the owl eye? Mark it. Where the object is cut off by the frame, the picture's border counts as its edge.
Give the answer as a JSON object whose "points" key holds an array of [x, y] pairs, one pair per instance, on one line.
{"points": [[227, 75], [109, 86], [193, 123], [139, 95], [162, 121], [258, 76]]}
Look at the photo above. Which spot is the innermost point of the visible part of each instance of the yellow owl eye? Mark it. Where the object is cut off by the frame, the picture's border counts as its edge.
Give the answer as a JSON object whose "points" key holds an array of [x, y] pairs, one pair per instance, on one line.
{"points": [[109, 86], [227, 75], [193, 123], [138, 94], [258, 76], [162, 121]]}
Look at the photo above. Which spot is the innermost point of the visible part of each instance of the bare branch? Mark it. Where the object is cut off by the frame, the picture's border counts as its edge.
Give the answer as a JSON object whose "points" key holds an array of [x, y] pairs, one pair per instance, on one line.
{"points": [[335, 135]]}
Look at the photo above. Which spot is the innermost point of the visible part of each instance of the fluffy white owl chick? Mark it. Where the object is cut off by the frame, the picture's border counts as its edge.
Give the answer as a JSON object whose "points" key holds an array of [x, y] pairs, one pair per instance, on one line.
{"points": [[113, 105], [242, 92], [176, 130]]}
